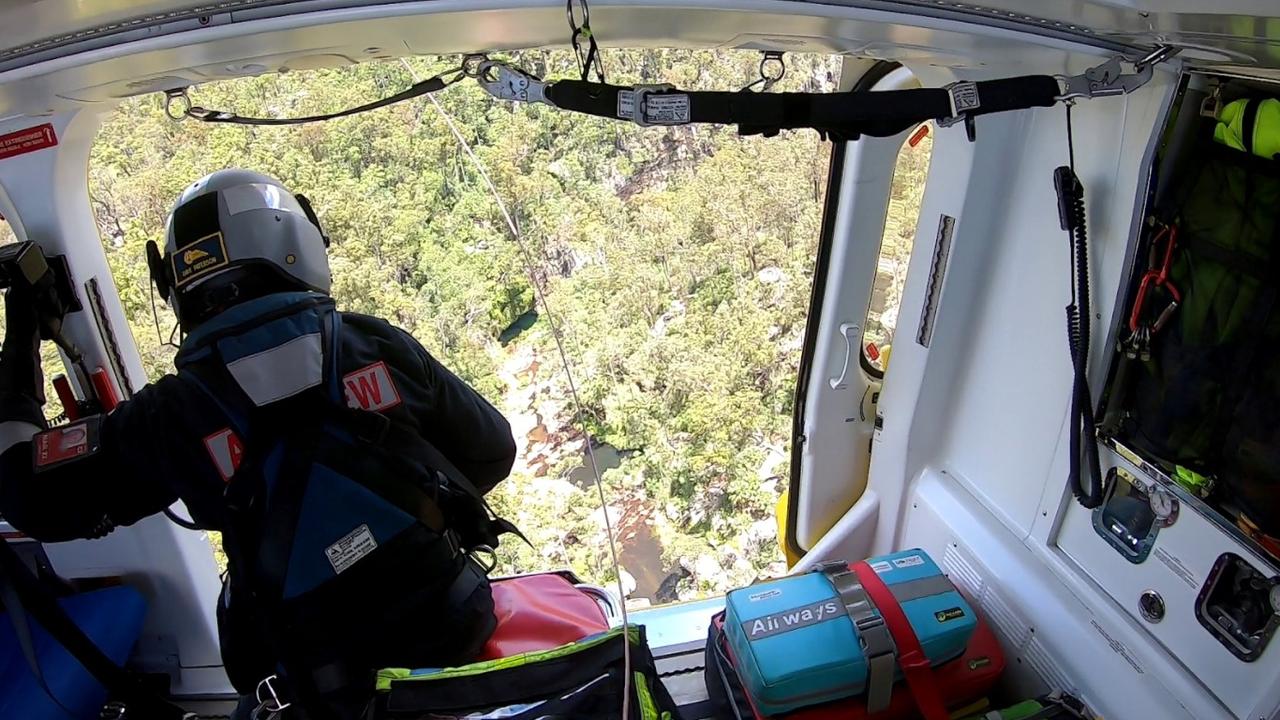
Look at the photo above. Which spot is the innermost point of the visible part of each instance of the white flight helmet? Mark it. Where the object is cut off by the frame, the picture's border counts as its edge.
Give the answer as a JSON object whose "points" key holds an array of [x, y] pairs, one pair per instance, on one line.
{"points": [[232, 236]]}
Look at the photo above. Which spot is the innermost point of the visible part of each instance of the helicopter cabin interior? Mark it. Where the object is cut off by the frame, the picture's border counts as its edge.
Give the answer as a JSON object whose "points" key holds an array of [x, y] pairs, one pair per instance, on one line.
{"points": [[1158, 601]]}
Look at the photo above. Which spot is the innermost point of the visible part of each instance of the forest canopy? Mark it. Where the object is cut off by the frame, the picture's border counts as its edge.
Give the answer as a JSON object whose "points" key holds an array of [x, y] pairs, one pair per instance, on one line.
{"points": [[678, 263]]}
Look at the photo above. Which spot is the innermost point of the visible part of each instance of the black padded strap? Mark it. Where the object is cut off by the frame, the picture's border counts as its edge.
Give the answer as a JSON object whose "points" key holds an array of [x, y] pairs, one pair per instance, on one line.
{"points": [[847, 115]]}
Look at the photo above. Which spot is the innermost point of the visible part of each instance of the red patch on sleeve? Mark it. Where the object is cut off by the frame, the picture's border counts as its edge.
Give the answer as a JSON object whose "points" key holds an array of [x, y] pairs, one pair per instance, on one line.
{"points": [[65, 443], [371, 388], [226, 451]]}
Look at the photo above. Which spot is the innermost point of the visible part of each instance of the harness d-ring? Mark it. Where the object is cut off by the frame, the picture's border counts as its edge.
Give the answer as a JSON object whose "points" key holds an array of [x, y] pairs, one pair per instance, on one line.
{"points": [[180, 94], [772, 68]]}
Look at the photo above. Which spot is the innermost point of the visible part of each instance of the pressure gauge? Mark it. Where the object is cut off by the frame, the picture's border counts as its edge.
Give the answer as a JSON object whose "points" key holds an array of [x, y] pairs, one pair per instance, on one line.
{"points": [[1164, 506], [1274, 595]]}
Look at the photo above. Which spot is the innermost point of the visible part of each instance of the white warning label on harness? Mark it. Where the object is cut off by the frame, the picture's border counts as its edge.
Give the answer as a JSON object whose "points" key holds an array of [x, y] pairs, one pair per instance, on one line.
{"points": [[908, 561], [348, 550], [881, 567], [667, 109], [964, 97]]}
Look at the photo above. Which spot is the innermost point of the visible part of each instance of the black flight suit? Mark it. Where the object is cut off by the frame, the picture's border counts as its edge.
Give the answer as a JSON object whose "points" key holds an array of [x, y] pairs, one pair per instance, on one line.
{"points": [[162, 444]]}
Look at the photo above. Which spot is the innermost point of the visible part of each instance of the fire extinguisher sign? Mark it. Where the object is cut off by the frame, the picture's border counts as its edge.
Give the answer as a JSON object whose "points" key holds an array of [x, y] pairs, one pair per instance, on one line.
{"points": [[28, 140]]}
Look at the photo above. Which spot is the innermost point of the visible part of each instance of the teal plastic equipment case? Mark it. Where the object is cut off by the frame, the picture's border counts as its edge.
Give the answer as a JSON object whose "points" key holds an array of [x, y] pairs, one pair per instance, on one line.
{"points": [[797, 642]]}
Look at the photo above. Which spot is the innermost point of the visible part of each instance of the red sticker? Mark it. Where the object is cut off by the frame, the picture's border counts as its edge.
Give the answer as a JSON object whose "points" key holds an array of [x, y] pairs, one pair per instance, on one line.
{"points": [[29, 140], [226, 451], [371, 388], [62, 443]]}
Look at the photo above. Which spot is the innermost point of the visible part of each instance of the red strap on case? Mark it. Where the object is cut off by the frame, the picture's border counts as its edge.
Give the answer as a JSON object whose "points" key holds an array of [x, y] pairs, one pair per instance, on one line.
{"points": [[911, 658]]}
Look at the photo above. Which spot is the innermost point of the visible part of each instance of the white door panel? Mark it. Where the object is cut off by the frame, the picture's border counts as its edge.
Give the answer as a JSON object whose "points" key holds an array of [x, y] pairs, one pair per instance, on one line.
{"points": [[839, 410]]}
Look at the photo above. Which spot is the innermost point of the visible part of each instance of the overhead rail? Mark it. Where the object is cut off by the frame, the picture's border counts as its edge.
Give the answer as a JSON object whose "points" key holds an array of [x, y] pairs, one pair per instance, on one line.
{"points": [[838, 116]]}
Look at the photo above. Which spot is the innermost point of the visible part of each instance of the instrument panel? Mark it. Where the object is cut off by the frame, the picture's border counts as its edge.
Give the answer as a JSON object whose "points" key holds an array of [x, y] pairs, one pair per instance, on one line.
{"points": [[1194, 583]]}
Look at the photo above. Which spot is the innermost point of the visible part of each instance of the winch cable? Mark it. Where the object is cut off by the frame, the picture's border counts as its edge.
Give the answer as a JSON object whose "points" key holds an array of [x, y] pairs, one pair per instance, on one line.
{"points": [[1084, 443], [530, 269]]}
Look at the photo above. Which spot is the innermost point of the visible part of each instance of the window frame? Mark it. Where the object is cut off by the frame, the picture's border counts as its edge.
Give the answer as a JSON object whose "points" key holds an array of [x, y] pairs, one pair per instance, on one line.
{"points": [[863, 360]]}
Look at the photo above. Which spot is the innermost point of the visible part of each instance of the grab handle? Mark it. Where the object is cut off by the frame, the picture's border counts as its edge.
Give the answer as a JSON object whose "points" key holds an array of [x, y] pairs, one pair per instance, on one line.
{"points": [[852, 336]]}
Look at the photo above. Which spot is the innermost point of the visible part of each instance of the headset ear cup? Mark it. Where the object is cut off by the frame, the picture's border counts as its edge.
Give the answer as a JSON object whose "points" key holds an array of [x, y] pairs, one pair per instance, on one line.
{"points": [[159, 271], [311, 215]]}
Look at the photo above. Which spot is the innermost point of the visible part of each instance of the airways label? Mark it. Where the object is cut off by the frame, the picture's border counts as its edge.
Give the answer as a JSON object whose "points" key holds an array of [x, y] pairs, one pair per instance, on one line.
{"points": [[800, 617], [371, 388]]}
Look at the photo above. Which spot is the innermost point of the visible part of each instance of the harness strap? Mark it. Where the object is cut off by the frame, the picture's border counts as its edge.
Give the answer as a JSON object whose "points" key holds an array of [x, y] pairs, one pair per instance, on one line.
{"points": [[377, 428], [24, 595], [877, 641], [915, 665], [846, 115]]}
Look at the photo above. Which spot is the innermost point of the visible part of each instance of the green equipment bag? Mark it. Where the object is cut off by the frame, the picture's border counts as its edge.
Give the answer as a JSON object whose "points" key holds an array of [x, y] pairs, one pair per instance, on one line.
{"points": [[1208, 400], [581, 680]]}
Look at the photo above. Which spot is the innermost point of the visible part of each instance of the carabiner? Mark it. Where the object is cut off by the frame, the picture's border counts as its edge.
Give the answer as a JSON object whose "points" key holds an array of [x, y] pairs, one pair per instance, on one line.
{"points": [[510, 83], [574, 27]]}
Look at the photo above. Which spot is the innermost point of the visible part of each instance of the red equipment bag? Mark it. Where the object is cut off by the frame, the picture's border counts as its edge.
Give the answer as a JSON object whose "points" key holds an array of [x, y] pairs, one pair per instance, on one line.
{"points": [[960, 682], [540, 612]]}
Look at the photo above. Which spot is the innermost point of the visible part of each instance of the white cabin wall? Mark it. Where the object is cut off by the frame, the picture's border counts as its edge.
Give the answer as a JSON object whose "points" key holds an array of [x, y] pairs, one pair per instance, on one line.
{"points": [[972, 462], [987, 401]]}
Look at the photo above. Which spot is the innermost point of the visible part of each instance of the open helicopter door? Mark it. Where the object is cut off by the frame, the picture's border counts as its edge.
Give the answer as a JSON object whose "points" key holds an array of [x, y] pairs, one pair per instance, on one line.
{"points": [[44, 197], [840, 374]]}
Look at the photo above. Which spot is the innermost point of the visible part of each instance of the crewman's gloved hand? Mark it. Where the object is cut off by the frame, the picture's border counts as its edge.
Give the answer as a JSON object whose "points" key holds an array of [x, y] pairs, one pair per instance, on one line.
{"points": [[21, 380]]}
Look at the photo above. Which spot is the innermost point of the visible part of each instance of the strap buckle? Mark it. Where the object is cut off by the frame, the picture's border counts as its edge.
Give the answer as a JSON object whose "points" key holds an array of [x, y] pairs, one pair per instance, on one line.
{"points": [[272, 702], [963, 96], [638, 105], [873, 634]]}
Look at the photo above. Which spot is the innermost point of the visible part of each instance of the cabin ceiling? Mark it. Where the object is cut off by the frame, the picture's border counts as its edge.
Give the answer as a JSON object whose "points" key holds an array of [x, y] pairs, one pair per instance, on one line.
{"points": [[56, 54]]}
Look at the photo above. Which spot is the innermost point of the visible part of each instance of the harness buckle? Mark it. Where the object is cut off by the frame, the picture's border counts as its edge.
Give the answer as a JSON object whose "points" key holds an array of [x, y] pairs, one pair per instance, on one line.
{"points": [[272, 702]]}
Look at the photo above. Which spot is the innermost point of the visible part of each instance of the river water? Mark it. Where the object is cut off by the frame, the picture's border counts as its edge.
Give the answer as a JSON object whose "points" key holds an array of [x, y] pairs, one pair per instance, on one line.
{"points": [[640, 553]]}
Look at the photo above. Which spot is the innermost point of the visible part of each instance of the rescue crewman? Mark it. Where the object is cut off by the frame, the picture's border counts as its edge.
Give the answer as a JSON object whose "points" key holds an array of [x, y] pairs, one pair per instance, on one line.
{"points": [[245, 270]]}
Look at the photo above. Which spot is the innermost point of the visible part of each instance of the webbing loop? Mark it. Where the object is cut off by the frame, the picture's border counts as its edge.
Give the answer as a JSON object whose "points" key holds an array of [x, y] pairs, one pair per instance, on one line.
{"points": [[434, 84]]}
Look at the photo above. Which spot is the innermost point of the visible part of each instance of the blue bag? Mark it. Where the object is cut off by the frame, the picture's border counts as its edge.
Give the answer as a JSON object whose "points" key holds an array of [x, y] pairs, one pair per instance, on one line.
{"points": [[815, 637]]}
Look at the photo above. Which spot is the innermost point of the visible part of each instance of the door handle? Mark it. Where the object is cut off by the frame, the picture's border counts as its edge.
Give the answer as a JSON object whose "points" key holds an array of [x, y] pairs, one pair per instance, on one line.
{"points": [[852, 340]]}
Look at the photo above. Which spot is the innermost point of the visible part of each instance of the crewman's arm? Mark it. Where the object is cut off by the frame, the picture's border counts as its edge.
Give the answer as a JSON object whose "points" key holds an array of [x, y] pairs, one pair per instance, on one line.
{"points": [[464, 426], [78, 480]]}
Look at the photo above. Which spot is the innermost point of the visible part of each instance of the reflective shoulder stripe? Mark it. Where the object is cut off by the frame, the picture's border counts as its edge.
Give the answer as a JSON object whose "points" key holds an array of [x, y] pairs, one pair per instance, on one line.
{"points": [[280, 372]]}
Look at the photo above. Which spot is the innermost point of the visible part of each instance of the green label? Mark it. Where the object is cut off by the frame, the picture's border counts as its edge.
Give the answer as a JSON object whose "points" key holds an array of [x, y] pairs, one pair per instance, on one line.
{"points": [[949, 614]]}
